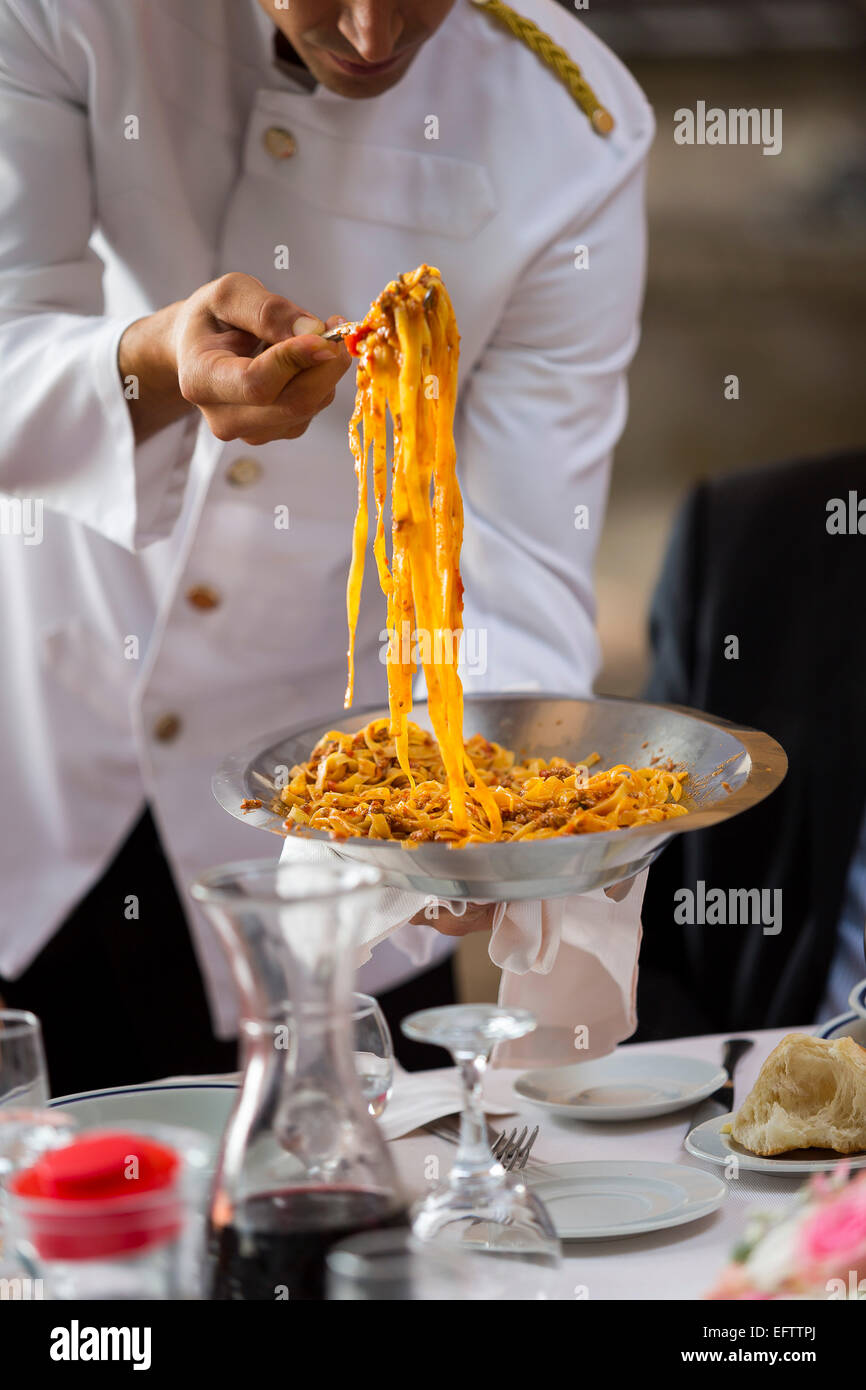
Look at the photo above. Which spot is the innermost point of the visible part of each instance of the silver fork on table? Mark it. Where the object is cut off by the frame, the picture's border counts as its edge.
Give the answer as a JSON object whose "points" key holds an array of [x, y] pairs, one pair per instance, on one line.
{"points": [[511, 1150]]}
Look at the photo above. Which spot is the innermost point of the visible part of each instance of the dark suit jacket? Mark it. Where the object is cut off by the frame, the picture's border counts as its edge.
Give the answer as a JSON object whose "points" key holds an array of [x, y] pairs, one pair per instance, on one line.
{"points": [[751, 556]]}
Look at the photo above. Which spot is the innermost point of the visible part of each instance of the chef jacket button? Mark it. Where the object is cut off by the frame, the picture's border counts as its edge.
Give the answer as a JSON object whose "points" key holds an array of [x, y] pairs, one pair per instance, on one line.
{"points": [[244, 471], [279, 143], [166, 728], [203, 597]]}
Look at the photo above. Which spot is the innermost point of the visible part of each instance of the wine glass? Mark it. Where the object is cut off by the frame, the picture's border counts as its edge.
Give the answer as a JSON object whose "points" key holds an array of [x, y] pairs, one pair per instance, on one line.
{"points": [[480, 1206], [23, 1072], [373, 1049]]}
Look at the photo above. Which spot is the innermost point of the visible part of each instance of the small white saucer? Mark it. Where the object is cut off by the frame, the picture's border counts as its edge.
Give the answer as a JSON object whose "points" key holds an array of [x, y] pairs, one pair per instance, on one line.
{"points": [[594, 1201], [851, 1025], [623, 1086], [857, 999], [707, 1141]]}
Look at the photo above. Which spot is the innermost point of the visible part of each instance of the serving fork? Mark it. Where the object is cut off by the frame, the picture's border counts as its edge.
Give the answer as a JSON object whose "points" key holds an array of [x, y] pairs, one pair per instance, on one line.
{"points": [[343, 330]]}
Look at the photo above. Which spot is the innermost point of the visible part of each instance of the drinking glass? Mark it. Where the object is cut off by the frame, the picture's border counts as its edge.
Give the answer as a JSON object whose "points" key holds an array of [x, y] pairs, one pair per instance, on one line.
{"points": [[25, 1135], [480, 1206], [23, 1073], [374, 1052]]}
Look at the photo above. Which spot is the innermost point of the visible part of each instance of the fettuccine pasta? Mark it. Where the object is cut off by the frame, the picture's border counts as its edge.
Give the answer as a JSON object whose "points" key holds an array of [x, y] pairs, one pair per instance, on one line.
{"points": [[355, 784], [407, 350], [393, 780]]}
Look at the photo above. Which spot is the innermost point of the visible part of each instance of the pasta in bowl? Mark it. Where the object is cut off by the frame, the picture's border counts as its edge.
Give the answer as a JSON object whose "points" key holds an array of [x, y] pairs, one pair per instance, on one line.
{"points": [[355, 784], [550, 795], [730, 768]]}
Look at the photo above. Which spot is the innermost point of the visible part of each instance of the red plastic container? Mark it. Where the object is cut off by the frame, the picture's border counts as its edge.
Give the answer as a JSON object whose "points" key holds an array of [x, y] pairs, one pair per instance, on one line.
{"points": [[108, 1194]]}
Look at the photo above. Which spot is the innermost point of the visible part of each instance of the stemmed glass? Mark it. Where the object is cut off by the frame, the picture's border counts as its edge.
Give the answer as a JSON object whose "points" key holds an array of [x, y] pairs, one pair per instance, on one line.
{"points": [[480, 1206]]}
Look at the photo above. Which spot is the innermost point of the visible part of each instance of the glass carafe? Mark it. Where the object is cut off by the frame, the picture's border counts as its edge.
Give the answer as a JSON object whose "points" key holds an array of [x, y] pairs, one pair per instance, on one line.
{"points": [[302, 1165]]}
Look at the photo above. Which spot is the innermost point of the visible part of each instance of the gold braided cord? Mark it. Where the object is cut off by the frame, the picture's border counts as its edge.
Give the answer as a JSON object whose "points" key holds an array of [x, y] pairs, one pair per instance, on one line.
{"points": [[556, 58]]}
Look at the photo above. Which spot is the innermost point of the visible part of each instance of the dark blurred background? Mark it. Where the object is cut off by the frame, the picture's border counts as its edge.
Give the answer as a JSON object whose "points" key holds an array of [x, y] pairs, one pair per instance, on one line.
{"points": [[757, 267]]}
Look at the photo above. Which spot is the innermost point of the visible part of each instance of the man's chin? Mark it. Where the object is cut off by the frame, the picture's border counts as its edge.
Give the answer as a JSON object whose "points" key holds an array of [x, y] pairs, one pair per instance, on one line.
{"points": [[355, 86]]}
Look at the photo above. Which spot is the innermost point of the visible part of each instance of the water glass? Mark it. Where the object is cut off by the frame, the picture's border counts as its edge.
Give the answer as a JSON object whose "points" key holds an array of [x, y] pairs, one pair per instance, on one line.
{"points": [[23, 1071], [373, 1048]]}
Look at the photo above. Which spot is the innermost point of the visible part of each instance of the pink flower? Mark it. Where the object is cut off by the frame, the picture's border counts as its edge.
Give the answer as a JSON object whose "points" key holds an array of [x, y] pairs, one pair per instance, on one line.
{"points": [[836, 1231], [732, 1283]]}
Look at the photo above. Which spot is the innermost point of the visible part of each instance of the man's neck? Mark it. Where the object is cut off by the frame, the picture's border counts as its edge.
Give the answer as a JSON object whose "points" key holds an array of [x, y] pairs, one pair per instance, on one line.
{"points": [[292, 64], [286, 53]]}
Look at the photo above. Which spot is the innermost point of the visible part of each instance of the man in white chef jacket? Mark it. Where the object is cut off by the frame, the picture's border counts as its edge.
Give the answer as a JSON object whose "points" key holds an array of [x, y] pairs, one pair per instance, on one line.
{"points": [[175, 526]]}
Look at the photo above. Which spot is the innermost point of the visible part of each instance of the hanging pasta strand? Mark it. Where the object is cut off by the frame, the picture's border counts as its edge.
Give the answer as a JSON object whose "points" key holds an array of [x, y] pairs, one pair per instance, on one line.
{"points": [[359, 536], [407, 341], [393, 780]]}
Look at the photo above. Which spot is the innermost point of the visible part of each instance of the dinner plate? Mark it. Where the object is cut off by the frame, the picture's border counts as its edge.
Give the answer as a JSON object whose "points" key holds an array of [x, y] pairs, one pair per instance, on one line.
{"points": [[622, 1086], [730, 769], [707, 1141], [845, 1026], [594, 1201], [203, 1107]]}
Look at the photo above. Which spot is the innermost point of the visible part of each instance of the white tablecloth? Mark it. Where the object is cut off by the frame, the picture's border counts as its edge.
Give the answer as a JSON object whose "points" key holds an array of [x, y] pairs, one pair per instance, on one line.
{"points": [[679, 1263]]}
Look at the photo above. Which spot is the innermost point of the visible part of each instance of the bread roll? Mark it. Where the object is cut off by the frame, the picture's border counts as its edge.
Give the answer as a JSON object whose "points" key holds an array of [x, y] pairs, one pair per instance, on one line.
{"points": [[810, 1093]]}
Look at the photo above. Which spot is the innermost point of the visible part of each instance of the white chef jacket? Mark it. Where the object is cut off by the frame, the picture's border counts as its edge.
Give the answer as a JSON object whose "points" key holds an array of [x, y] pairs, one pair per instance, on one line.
{"points": [[134, 169]]}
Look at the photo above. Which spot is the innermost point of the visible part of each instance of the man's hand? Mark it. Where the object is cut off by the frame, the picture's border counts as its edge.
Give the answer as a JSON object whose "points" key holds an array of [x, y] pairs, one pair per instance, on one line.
{"points": [[250, 361], [477, 917]]}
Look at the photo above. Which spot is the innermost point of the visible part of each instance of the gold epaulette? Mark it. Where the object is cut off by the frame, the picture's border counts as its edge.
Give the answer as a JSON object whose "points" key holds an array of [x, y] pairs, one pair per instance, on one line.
{"points": [[556, 58]]}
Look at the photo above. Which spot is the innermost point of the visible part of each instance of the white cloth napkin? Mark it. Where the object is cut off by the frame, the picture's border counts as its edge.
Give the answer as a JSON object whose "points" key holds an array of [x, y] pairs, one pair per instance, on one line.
{"points": [[393, 911], [420, 1097], [584, 1007], [582, 984]]}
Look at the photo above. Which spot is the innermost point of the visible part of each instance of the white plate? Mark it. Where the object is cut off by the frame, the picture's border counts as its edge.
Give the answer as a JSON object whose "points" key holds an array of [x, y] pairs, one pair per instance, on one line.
{"points": [[857, 999], [845, 1026], [707, 1141], [624, 1086], [203, 1107], [594, 1201]]}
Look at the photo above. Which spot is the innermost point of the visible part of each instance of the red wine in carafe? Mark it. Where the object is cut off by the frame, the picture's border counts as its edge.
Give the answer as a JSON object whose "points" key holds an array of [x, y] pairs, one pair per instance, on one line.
{"points": [[276, 1245]]}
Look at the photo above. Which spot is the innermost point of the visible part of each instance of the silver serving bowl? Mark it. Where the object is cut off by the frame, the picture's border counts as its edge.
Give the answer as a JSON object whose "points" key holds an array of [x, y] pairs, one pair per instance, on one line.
{"points": [[711, 750]]}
